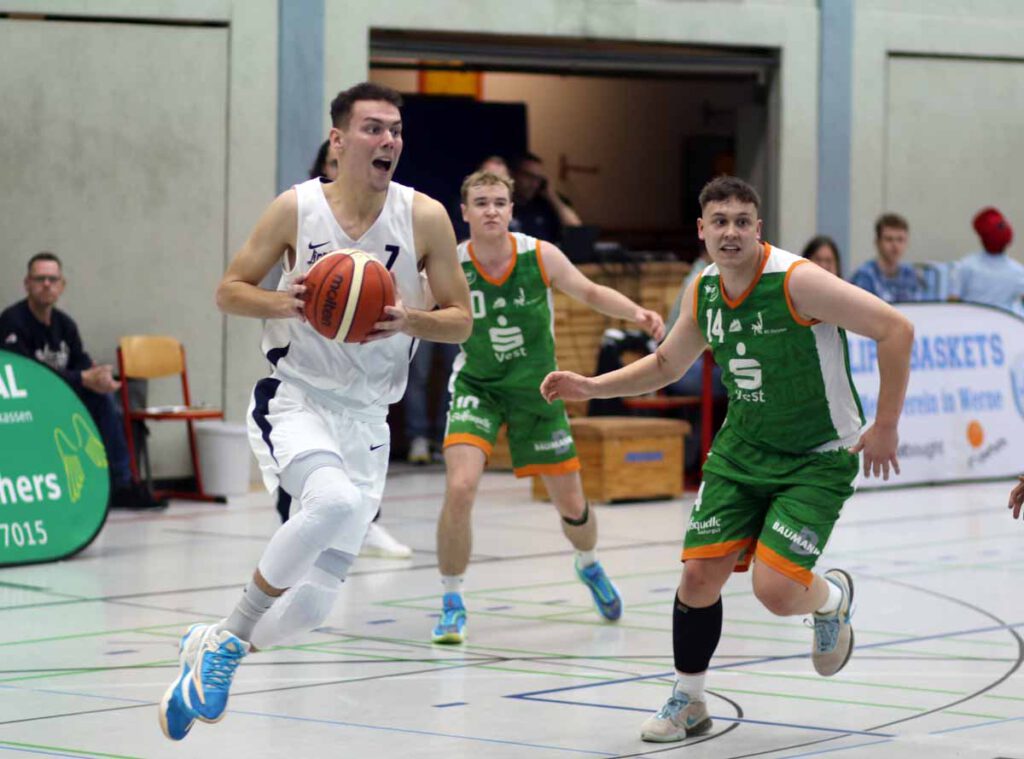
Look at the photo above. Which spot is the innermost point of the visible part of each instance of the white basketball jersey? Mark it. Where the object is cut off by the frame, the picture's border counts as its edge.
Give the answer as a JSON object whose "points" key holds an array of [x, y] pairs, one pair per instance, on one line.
{"points": [[360, 377]]}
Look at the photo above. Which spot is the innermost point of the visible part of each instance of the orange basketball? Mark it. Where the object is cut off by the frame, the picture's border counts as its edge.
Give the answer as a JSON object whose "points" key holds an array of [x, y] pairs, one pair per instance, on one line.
{"points": [[346, 292]]}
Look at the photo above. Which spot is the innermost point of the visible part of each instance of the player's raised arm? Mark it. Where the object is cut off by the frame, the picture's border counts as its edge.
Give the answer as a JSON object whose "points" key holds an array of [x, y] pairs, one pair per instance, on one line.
{"points": [[239, 291], [818, 295], [574, 283], [681, 348], [451, 322]]}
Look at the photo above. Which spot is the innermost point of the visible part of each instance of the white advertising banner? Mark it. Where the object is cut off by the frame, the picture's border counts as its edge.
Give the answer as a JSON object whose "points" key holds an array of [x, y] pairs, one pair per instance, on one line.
{"points": [[964, 414]]}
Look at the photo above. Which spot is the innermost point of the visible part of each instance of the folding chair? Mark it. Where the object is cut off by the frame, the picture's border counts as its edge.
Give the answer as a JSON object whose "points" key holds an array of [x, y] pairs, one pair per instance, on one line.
{"points": [[148, 357]]}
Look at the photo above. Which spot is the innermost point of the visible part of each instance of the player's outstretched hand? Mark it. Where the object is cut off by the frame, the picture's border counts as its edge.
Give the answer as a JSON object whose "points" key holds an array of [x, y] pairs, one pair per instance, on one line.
{"points": [[879, 446], [1017, 498], [651, 322], [396, 319], [566, 386]]}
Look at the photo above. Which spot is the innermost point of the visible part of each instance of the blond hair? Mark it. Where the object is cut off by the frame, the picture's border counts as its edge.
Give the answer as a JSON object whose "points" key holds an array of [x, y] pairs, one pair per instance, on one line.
{"points": [[485, 179]]}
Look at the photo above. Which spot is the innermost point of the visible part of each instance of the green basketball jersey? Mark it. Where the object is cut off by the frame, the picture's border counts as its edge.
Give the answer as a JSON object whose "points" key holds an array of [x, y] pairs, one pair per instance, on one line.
{"points": [[788, 379], [513, 339]]}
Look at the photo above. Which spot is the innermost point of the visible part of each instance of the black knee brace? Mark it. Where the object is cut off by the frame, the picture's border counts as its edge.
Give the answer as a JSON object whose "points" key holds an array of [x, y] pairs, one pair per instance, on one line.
{"points": [[695, 635], [582, 520]]}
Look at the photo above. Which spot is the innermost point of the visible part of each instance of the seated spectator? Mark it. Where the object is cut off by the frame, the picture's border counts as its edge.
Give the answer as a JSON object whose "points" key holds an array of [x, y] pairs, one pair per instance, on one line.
{"points": [[537, 210], [887, 276], [823, 251], [36, 328], [990, 276]]}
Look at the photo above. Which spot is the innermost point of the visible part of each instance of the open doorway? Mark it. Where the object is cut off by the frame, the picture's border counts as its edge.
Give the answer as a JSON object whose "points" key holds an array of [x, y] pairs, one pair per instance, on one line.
{"points": [[627, 132]]}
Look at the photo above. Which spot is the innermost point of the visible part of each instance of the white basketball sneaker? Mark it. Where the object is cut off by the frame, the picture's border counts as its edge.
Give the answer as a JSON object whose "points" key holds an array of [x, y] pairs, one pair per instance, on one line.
{"points": [[380, 544]]}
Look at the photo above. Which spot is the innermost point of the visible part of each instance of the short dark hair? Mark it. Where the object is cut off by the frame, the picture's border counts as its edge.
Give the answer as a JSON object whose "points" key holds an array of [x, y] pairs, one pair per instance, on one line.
{"points": [[892, 221], [44, 255], [724, 188], [823, 241], [516, 163], [320, 162], [341, 106]]}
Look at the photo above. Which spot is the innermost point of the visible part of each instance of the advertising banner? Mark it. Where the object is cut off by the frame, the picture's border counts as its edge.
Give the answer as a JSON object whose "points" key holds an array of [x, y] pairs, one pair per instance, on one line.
{"points": [[54, 482], [964, 414]]}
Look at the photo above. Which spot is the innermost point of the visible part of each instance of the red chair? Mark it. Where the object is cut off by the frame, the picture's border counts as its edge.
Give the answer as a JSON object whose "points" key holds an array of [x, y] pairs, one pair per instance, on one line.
{"points": [[149, 357]]}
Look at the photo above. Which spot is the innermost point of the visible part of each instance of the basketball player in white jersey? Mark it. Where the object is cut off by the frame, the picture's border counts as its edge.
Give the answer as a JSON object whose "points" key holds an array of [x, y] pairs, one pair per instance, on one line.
{"points": [[318, 424]]}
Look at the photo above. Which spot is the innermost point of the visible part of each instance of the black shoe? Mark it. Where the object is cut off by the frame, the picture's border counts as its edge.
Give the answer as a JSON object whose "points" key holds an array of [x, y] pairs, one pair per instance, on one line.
{"points": [[135, 496]]}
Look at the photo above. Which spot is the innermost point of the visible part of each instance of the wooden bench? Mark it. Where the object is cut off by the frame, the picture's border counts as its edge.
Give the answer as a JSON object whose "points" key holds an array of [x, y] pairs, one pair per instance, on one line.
{"points": [[627, 458]]}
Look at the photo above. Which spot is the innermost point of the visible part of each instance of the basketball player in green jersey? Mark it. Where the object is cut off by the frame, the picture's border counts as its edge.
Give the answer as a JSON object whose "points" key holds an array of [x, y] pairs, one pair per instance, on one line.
{"points": [[784, 462], [496, 380]]}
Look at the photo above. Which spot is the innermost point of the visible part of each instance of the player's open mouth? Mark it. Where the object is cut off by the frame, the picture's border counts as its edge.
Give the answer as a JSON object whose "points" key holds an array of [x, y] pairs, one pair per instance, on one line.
{"points": [[382, 163], [730, 248]]}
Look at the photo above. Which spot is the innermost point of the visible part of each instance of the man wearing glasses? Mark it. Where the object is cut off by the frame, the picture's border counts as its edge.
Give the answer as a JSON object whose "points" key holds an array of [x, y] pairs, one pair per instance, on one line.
{"points": [[36, 328]]}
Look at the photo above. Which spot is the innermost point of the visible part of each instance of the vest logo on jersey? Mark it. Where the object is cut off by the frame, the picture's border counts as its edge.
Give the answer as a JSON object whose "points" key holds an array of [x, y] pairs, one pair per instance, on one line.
{"points": [[316, 254], [507, 342], [747, 374], [559, 442], [803, 543], [520, 300], [470, 276], [711, 291], [709, 526]]}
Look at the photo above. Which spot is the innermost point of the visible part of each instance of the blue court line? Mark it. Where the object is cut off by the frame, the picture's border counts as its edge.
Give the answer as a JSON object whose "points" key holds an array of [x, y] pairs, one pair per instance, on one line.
{"points": [[841, 748], [453, 703], [742, 720], [979, 724], [427, 732], [764, 660]]}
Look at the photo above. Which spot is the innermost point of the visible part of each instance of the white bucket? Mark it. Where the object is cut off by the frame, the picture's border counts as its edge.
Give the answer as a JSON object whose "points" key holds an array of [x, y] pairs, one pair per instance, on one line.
{"points": [[224, 457]]}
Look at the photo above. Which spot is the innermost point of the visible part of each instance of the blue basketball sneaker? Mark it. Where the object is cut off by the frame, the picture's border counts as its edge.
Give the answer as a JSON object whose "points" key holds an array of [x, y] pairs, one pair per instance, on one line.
{"points": [[606, 597], [209, 658], [451, 627]]}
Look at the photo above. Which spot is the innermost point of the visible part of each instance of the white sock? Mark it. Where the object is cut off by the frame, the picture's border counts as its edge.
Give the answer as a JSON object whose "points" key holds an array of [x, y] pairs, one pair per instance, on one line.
{"points": [[835, 597], [691, 685], [586, 558], [250, 609], [453, 583]]}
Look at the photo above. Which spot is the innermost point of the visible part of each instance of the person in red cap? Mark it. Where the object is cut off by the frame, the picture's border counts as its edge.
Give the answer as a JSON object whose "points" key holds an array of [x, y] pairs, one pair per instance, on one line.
{"points": [[990, 276]]}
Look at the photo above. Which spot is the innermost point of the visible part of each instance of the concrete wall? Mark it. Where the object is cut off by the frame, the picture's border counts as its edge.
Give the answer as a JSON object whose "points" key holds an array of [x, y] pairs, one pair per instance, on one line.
{"points": [[935, 136], [142, 154]]}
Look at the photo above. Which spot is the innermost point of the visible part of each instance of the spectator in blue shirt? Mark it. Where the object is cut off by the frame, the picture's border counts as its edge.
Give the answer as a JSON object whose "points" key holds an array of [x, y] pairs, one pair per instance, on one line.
{"points": [[886, 276], [990, 276]]}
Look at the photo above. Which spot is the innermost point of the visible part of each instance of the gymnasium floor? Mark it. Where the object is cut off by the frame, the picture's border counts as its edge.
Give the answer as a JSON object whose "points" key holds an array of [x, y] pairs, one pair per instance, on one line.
{"points": [[88, 646]]}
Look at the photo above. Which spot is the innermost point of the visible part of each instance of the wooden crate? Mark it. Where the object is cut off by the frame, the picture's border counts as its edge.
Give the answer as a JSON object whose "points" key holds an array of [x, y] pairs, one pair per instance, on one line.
{"points": [[627, 458]]}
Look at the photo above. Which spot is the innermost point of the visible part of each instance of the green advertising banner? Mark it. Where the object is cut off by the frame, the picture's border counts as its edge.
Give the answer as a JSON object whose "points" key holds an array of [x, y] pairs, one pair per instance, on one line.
{"points": [[54, 482]]}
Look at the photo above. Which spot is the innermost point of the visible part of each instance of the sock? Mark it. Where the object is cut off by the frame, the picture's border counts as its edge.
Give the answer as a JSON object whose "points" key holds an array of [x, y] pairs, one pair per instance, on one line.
{"points": [[250, 609], [452, 583], [691, 685], [835, 597], [586, 558], [695, 635]]}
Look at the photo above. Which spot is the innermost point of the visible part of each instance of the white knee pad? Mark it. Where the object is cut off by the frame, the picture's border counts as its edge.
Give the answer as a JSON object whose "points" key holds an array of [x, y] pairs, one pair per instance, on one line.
{"points": [[328, 499], [305, 606]]}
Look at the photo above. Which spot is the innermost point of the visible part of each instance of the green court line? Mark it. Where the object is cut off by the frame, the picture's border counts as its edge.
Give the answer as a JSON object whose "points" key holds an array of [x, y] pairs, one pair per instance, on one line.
{"points": [[844, 681], [80, 751], [976, 714], [820, 699]]}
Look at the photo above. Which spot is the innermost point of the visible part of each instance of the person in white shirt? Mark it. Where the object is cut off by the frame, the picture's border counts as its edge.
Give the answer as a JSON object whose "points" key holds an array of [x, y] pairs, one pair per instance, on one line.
{"points": [[990, 276]]}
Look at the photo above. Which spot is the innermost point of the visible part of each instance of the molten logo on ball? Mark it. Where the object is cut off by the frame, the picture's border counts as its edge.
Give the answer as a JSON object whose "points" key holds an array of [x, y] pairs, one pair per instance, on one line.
{"points": [[331, 300], [346, 292]]}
